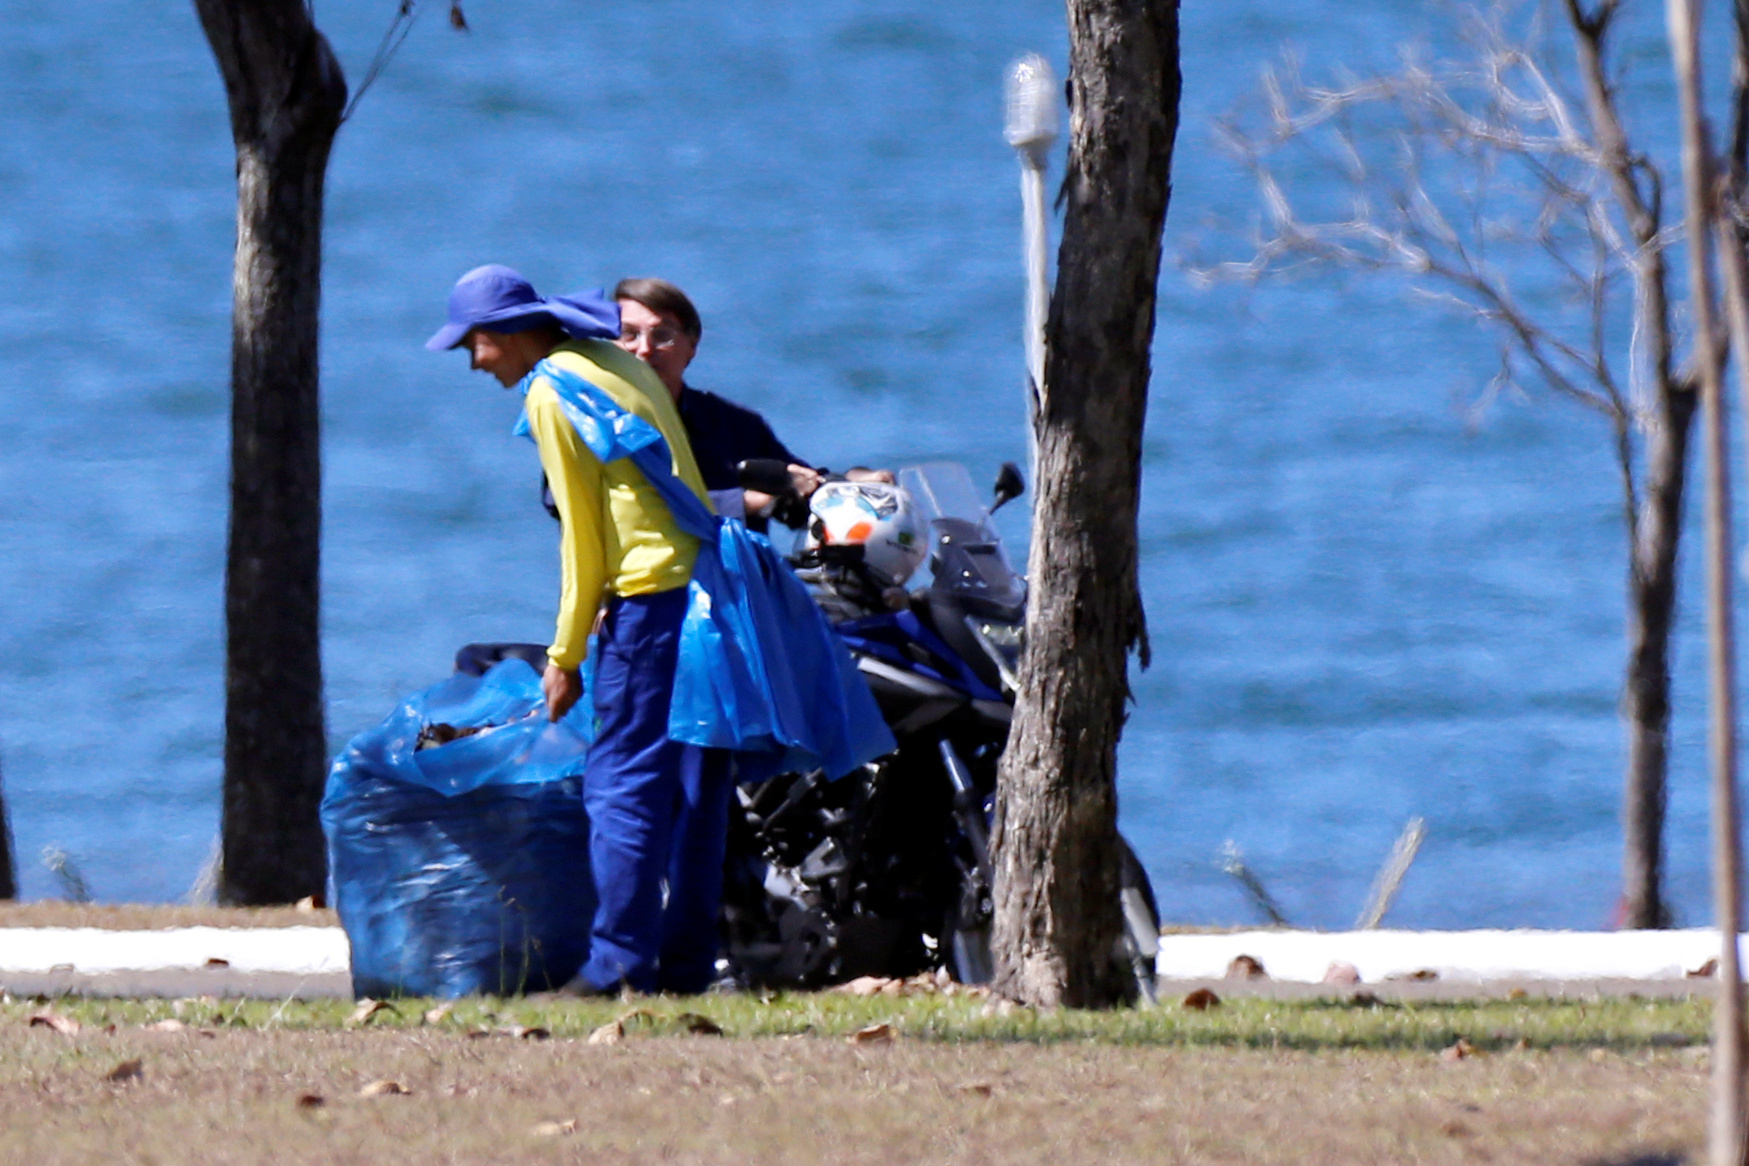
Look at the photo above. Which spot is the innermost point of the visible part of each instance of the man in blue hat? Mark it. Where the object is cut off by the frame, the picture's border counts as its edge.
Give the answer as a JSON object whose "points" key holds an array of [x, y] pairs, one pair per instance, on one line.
{"points": [[625, 559]]}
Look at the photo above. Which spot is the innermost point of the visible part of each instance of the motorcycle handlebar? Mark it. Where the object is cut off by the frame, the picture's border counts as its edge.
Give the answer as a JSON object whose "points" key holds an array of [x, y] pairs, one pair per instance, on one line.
{"points": [[768, 475]]}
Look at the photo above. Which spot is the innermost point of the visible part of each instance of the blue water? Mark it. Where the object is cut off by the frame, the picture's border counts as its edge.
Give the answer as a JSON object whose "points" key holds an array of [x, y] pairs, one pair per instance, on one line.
{"points": [[1367, 599]]}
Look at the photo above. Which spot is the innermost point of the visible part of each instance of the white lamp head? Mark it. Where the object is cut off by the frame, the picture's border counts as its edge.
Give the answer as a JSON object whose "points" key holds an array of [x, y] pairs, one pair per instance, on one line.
{"points": [[1032, 104]]}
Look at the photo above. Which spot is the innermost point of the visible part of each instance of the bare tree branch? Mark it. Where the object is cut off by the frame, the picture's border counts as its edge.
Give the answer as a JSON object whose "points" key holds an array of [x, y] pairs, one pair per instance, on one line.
{"points": [[406, 13], [1488, 190]]}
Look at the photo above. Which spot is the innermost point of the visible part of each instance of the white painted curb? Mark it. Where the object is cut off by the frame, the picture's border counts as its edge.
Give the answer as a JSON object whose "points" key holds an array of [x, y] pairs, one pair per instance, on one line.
{"points": [[1305, 956], [90, 950], [1302, 956]]}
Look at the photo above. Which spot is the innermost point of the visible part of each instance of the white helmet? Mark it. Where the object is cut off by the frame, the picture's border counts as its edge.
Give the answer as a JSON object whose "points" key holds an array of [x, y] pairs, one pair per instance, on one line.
{"points": [[880, 518]]}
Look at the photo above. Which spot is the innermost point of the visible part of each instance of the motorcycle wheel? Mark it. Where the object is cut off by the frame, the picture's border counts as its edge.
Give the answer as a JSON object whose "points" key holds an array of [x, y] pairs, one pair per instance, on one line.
{"points": [[968, 955], [967, 949], [1141, 926], [966, 946]]}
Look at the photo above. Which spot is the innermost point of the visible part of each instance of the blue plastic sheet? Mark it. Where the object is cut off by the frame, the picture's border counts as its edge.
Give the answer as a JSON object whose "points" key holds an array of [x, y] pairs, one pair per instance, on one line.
{"points": [[760, 670], [809, 709], [463, 868]]}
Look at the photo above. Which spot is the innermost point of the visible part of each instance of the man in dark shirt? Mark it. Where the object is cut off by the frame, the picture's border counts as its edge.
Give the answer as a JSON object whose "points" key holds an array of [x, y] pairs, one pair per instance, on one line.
{"points": [[660, 326]]}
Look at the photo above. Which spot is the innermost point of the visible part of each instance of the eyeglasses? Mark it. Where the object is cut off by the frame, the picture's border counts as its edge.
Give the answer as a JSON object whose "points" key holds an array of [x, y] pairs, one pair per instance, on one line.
{"points": [[661, 337]]}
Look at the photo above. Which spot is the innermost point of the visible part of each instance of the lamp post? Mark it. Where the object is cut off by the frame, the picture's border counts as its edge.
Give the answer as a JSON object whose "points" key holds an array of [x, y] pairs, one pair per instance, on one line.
{"points": [[1031, 128]]}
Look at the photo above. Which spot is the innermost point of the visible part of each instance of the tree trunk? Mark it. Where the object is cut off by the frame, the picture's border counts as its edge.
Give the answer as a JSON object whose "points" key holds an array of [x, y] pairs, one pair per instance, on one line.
{"points": [[1057, 924], [8, 870], [286, 94], [1651, 620], [1655, 522]]}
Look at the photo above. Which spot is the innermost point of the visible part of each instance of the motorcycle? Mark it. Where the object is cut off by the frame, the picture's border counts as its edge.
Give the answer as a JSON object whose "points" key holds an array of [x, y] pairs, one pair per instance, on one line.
{"points": [[886, 871]]}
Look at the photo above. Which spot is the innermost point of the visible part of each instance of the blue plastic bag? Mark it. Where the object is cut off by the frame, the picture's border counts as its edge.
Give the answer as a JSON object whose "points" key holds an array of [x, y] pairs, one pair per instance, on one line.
{"points": [[463, 868], [808, 710]]}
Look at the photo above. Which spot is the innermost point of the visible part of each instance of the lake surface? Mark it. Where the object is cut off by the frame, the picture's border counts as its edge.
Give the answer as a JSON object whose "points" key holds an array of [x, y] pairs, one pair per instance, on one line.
{"points": [[1368, 599]]}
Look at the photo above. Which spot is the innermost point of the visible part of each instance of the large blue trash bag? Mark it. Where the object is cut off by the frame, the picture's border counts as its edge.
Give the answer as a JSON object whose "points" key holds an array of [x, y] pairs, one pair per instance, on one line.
{"points": [[463, 868]]}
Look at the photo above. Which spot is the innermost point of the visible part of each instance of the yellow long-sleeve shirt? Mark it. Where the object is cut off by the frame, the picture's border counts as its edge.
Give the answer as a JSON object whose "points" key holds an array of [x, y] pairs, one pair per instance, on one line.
{"points": [[617, 536]]}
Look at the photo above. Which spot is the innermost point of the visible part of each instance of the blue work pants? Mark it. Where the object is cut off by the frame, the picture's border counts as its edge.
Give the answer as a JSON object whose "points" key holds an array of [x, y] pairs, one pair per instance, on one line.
{"points": [[695, 872], [657, 809]]}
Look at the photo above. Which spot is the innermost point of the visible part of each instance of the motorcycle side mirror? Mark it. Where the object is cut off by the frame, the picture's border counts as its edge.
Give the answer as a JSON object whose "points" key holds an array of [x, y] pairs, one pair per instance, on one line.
{"points": [[768, 475], [1009, 486]]}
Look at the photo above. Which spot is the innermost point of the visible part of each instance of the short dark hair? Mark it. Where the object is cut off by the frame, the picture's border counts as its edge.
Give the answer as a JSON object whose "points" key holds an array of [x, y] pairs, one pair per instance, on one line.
{"points": [[661, 297]]}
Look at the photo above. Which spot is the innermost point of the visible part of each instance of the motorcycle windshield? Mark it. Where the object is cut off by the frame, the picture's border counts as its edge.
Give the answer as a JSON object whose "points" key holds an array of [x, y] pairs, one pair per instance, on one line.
{"points": [[945, 490], [967, 558]]}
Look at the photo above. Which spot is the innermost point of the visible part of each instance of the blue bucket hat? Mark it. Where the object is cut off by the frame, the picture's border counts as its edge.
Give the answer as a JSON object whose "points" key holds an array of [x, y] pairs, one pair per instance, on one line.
{"points": [[498, 298]]}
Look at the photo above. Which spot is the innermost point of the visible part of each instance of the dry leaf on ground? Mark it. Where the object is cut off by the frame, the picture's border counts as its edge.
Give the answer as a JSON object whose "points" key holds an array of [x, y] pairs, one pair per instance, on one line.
{"points": [[525, 1032], [1246, 967], [1706, 971], [862, 986], [168, 1024], [555, 1129], [437, 1015], [874, 1034], [65, 1025], [126, 1071], [611, 1033], [367, 1010], [1201, 1000], [216, 963], [698, 1025], [310, 1101], [1460, 1050], [1341, 973], [981, 1088], [922, 984], [384, 1088]]}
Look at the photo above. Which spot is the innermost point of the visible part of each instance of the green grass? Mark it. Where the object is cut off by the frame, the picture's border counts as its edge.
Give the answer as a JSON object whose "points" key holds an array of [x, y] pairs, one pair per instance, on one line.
{"points": [[1616, 1023]]}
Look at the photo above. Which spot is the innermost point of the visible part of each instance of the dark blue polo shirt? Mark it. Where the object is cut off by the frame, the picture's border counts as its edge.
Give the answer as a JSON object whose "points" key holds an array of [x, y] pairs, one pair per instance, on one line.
{"points": [[723, 433]]}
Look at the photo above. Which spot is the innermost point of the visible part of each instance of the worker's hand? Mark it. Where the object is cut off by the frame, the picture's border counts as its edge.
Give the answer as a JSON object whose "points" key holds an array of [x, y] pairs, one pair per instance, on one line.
{"points": [[561, 689], [805, 480], [792, 508]]}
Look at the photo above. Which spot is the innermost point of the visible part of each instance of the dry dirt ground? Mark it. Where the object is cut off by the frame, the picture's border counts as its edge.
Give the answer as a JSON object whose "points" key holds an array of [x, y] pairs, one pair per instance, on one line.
{"points": [[146, 916], [1599, 1085], [431, 1096]]}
